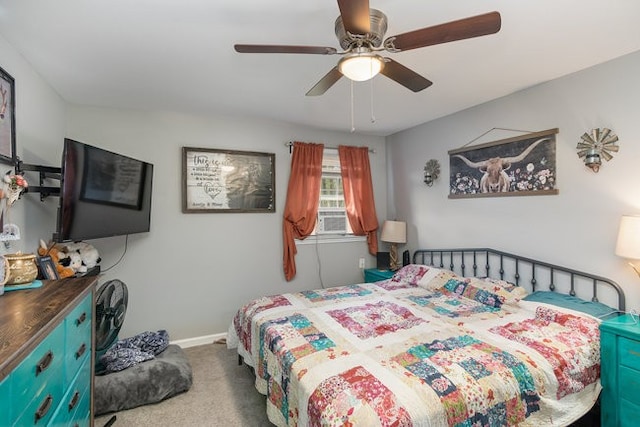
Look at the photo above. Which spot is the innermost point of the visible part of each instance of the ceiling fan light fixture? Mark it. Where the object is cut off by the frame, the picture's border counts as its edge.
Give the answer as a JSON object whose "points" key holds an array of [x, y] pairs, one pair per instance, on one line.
{"points": [[361, 66]]}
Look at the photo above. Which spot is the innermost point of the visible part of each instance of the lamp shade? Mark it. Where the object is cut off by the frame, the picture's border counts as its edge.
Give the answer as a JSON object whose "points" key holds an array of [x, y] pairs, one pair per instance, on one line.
{"points": [[360, 67], [628, 244], [394, 232]]}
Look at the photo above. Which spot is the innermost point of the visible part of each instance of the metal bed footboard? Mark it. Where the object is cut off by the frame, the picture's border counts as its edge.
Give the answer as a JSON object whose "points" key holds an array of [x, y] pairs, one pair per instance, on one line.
{"points": [[519, 270]]}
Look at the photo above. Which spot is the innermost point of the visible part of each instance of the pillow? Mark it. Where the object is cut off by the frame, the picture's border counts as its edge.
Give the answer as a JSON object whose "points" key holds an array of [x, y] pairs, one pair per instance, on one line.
{"points": [[463, 287], [509, 292], [435, 278], [596, 309], [410, 274]]}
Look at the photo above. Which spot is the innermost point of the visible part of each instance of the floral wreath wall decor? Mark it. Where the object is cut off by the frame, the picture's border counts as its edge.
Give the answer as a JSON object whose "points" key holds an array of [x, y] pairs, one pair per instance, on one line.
{"points": [[13, 185], [519, 166]]}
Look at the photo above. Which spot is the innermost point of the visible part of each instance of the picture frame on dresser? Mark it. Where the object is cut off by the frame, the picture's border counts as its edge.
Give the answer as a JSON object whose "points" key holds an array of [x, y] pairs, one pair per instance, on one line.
{"points": [[47, 268], [7, 118]]}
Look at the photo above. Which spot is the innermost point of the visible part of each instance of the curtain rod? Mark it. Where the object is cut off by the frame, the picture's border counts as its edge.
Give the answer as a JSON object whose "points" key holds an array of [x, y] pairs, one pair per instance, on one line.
{"points": [[290, 145]]}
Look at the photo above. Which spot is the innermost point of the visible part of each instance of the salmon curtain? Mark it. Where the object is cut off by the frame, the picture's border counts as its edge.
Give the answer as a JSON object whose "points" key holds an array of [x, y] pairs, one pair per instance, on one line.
{"points": [[303, 195], [358, 193]]}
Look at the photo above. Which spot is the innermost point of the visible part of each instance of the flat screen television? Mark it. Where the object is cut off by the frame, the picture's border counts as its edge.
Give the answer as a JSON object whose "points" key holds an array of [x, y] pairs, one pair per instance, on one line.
{"points": [[102, 194]]}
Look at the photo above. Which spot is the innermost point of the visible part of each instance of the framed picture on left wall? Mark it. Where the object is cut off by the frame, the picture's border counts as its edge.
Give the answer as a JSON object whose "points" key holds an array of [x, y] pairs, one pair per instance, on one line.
{"points": [[7, 118]]}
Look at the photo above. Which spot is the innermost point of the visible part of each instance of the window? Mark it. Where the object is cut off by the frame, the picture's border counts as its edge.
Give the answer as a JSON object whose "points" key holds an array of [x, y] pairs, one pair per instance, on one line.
{"points": [[332, 216]]}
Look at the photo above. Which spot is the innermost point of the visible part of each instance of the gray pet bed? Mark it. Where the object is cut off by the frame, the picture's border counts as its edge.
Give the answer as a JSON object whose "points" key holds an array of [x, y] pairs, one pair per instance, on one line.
{"points": [[148, 382]]}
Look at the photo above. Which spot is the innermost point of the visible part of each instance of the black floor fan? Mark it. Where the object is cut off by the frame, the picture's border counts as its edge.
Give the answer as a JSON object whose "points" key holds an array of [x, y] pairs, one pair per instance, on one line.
{"points": [[111, 307]]}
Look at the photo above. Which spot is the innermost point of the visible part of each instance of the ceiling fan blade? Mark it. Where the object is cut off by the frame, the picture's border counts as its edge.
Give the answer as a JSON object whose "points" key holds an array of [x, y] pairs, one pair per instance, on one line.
{"points": [[406, 77], [267, 48], [475, 26], [325, 83], [355, 16]]}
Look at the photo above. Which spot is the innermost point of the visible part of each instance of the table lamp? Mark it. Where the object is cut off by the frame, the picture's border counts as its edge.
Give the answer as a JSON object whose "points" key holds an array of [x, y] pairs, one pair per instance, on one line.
{"points": [[394, 232], [628, 244]]}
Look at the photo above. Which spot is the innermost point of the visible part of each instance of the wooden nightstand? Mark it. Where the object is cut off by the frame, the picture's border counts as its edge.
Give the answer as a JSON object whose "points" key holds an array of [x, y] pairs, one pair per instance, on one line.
{"points": [[620, 372], [374, 275]]}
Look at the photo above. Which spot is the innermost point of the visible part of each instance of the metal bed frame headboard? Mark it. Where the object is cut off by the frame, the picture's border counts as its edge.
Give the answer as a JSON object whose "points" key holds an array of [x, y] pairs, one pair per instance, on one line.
{"points": [[486, 262]]}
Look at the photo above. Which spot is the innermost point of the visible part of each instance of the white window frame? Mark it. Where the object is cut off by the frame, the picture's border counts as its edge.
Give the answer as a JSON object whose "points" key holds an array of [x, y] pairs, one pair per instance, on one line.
{"points": [[330, 169]]}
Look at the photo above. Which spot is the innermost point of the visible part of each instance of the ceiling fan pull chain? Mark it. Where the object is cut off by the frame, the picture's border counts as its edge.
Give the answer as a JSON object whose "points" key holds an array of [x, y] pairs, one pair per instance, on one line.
{"points": [[373, 116], [353, 125]]}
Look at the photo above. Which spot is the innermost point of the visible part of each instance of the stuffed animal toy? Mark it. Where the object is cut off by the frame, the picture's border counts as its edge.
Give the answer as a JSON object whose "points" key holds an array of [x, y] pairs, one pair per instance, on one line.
{"points": [[88, 254], [57, 256], [73, 260]]}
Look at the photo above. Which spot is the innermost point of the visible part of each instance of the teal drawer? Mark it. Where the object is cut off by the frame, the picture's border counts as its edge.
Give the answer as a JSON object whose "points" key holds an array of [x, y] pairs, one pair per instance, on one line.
{"points": [[81, 315], [78, 322], [42, 367], [5, 403], [82, 416], [629, 380], [78, 338], [81, 413], [76, 355], [73, 400], [42, 408], [375, 275], [630, 353], [629, 414]]}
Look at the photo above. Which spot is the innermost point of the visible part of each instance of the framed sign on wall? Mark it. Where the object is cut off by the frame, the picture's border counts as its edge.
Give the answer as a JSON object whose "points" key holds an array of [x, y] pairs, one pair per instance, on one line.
{"points": [[227, 181]]}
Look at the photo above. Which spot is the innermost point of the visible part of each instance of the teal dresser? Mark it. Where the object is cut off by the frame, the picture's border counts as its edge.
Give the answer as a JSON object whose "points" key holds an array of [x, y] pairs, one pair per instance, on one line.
{"points": [[46, 354], [620, 372], [374, 275]]}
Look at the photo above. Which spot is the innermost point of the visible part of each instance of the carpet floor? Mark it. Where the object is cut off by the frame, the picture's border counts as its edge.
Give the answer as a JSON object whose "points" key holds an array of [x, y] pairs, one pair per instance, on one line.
{"points": [[222, 394]]}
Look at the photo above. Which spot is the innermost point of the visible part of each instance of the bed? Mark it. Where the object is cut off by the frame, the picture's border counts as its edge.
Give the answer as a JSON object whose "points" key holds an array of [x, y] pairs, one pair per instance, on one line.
{"points": [[464, 337]]}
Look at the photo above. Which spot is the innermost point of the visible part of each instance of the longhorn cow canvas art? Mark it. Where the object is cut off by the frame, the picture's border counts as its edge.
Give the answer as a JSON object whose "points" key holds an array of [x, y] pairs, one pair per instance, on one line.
{"points": [[519, 166]]}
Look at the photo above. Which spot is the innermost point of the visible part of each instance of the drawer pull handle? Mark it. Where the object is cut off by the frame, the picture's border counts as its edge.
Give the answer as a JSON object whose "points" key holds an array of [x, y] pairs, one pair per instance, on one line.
{"points": [[80, 320], [74, 400], [81, 351], [44, 363], [44, 408]]}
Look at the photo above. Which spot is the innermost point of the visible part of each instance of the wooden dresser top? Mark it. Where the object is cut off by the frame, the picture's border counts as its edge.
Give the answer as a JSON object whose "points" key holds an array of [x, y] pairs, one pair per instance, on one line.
{"points": [[27, 316]]}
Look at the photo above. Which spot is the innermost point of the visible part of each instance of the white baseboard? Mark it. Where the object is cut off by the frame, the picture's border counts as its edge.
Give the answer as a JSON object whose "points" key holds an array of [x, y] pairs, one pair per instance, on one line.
{"points": [[192, 342]]}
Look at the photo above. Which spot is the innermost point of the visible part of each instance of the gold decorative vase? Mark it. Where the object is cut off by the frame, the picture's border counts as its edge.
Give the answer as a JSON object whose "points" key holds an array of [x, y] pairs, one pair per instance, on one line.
{"points": [[22, 268]]}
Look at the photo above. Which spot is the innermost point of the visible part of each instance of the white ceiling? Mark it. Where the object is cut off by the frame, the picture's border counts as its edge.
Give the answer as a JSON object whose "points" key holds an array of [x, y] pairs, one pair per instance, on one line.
{"points": [[177, 55]]}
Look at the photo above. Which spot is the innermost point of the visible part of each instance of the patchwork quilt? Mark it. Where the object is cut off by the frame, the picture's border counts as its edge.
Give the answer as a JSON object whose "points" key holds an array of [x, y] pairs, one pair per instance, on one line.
{"points": [[425, 348]]}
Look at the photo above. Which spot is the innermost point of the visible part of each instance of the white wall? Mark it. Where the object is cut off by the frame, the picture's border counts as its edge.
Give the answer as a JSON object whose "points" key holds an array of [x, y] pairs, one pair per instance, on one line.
{"points": [[40, 126], [193, 271], [577, 227]]}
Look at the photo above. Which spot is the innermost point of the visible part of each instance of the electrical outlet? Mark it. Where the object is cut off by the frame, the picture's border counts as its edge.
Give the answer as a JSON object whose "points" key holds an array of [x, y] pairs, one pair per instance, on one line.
{"points": [[361, 263]]}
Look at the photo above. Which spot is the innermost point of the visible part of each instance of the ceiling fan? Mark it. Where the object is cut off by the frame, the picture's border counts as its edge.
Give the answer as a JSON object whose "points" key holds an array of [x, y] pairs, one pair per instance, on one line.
{"points": [[360, 31]]}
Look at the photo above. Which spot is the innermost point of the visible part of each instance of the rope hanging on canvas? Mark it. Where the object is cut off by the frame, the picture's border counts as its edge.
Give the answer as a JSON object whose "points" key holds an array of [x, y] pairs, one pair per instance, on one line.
{"points": [[491, 130]]}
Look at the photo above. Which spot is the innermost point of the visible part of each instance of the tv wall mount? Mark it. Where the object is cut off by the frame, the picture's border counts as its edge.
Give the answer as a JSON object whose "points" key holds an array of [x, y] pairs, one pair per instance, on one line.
{"points": [[45, 173]]}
